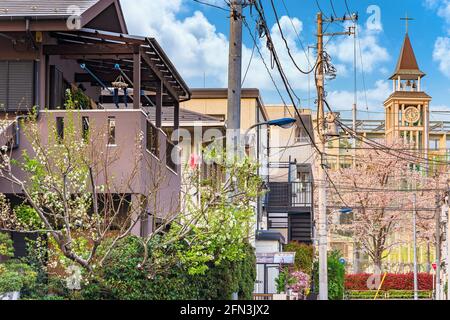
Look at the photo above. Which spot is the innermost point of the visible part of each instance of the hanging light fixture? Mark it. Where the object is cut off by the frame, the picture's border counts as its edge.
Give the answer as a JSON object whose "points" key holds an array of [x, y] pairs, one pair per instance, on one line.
{"points": [[120, 83]]}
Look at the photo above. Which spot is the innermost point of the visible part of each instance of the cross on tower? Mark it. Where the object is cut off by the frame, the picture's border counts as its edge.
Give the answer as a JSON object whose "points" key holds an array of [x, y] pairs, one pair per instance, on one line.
{"points": [[407, 19]]}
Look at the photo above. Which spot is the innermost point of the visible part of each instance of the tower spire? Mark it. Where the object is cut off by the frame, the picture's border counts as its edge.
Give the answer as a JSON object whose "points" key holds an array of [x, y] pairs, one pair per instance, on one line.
{"points": [[407, 66]]}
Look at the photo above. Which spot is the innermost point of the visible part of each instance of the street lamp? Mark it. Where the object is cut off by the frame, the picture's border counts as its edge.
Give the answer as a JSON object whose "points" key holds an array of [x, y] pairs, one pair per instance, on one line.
{"points": [[336, 219], [284, 123]]}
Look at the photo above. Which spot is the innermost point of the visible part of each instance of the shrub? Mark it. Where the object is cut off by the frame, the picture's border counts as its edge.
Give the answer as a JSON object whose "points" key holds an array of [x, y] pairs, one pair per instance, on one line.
{"points": [[27, 216], [391, 294], [392, 281], [13, 274], [6, 246], [304, 256], [120, 278], [283, 280], [336, 275], [301, 283]]}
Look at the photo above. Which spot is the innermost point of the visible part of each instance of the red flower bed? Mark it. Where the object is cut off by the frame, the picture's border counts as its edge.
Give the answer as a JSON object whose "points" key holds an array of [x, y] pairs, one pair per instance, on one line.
{"points": [[391, 282]]}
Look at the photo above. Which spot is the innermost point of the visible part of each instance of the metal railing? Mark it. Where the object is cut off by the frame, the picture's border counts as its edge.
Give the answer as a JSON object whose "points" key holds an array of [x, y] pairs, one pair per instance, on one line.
{"points": [[289, 195]]}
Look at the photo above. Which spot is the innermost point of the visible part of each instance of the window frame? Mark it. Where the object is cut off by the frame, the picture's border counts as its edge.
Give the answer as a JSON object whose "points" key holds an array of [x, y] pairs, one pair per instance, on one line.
{"points": [[7, 77], [152, 139], [112, 141], [60, 127]]}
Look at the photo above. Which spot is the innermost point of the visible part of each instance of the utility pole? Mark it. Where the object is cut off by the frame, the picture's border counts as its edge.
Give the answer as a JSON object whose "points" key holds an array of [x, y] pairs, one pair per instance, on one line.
{"points": [[438, 248], [447, 207], [233, 145], [321, 127], [416, 283], [234, 78], [354, 115]]}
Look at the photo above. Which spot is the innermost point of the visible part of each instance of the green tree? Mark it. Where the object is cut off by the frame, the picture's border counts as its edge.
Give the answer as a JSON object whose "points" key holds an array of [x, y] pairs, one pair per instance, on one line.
{"points": [[336, 276]]}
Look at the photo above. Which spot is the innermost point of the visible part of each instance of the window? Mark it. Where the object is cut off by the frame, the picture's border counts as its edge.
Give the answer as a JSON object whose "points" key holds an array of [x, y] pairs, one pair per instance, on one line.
{"points": [[434, 144], [170, 161], [85, 128], [145, 224], [152, 139], [60, 128], [16, 85], [112, 131]]}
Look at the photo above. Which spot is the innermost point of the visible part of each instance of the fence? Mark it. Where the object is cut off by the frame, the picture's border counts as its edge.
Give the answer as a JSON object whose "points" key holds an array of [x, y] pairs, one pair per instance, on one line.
{"points": [[289, 195]]}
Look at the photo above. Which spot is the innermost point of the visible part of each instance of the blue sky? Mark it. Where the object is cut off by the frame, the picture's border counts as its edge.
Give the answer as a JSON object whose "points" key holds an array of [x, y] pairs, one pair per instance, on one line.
{"points": [[195, 37]]}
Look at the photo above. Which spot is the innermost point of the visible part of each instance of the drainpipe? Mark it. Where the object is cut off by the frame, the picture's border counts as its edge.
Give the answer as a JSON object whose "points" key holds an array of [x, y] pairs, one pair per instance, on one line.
{"points": [[17, 129], [29, 34]]}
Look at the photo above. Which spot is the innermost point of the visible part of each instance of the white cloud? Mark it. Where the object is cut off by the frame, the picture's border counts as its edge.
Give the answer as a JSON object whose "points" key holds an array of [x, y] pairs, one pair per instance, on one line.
{"points": [[198, 49], [192, 43], [442, 45], [441, 54], [375, 97], [368, 46]]}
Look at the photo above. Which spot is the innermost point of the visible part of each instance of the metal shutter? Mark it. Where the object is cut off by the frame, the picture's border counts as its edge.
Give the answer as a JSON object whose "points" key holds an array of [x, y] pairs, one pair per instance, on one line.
{"points": [[20, 91], [3, 84]]}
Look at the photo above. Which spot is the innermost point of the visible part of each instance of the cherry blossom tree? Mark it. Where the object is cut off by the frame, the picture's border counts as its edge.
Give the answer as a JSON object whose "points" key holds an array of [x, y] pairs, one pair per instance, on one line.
{"points": [[378, 189]]}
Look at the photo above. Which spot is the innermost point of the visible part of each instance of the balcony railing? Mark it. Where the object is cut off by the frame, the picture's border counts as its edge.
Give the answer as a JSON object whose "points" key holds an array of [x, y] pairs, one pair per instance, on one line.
{"points": [[289, 195]]}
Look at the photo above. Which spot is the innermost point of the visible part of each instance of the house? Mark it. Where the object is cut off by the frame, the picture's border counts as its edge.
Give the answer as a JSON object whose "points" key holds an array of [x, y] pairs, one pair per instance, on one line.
{"points": [[127, 82], [289, 202], [213, 102]]}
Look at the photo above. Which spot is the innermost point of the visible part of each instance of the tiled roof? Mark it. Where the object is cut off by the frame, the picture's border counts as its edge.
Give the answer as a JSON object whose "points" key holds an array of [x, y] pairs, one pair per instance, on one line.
{"points": [[186, 116], [407, 63], [409, 94], [43, 8]]}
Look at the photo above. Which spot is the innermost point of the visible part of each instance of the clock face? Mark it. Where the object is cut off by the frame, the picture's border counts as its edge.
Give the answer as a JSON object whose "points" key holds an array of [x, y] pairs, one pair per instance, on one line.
{"points": [[412, 114]]}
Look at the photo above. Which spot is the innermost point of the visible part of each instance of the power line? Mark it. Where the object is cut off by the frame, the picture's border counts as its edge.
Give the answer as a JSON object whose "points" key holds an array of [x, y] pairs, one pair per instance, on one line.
{"points": [[332, 8], [348, 10], [362, 66], [265, 65], [271, 47], [320, 9], [286, 43], [388, 150], [211, 5], [296, 32], [248, 66], [382, 147]]}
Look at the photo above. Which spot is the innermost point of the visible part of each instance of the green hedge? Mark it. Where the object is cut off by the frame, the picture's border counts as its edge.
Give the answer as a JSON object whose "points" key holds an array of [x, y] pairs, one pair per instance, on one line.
{"points": [[121, 279], [391, 294], [304, 256]]}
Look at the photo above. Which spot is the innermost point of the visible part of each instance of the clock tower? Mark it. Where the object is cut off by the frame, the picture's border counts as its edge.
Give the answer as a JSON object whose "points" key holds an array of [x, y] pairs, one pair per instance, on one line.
{"points": [[407, 108]]}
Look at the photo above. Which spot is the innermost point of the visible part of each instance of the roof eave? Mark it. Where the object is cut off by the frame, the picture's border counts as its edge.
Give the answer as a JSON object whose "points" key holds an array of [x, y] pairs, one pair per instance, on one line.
{"points": [[407, 74]]}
